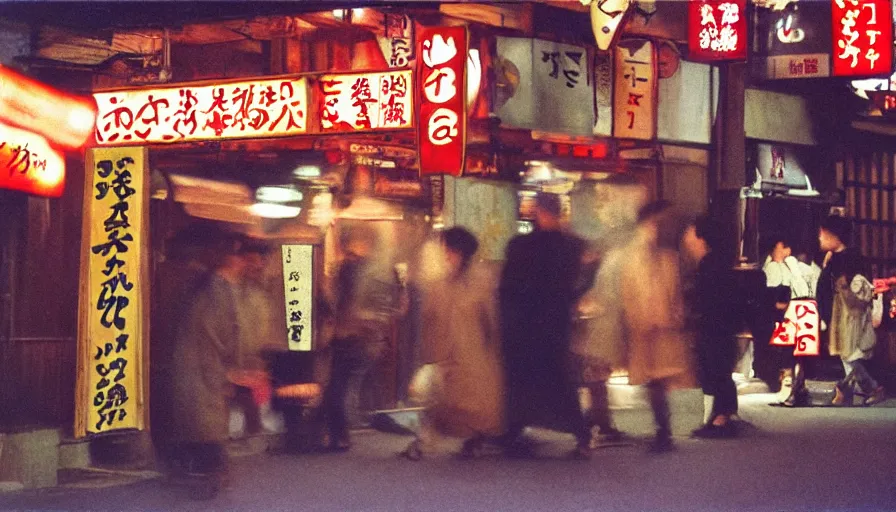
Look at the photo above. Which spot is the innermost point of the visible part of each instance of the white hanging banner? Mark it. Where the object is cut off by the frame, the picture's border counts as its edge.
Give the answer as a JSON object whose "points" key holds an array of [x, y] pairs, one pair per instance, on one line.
{"points": [[298, 283], [635, 90]]}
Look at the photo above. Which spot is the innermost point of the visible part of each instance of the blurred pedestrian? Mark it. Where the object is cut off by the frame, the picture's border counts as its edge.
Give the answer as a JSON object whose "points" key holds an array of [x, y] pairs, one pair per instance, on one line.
{"points": [[542, 280], [461, 342], [598, 344], [845, 296], [206, 342], [256, 313], [653, 311], [720, 313], [366, 304]]}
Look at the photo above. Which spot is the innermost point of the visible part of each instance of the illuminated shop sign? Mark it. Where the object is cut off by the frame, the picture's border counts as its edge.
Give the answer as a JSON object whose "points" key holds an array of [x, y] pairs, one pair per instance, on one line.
{"points": [[29, 164], [635, 90], [367, 101], [247, 109], [442, 131], [717, 30], [862, 37], [63, 119], [113, 315], [795, 42]]}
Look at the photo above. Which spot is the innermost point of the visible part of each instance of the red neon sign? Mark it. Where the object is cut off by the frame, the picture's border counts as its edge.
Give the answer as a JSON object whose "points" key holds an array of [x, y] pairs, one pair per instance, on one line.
{"points": [[367, 101], [717, 30], [442, 58], [64, 119], [862, 37], [28, 163]]}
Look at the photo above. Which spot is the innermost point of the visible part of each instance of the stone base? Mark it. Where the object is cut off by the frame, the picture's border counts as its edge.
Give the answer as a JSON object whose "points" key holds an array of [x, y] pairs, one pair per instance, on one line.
{"points": [[29, 458]]}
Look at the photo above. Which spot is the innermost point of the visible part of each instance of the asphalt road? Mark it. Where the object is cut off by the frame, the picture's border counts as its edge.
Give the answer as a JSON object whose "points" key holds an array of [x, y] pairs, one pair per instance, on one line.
{"points": [[816, 459]]}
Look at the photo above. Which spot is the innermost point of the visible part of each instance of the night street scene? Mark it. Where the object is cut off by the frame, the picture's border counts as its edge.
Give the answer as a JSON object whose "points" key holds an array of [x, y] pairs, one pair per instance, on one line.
{"points": [[546, 255]]}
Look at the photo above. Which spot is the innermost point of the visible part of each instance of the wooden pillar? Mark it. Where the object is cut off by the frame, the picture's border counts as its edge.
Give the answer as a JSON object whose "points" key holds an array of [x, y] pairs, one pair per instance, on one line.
{"points": [[729, 162], [287, 55]]}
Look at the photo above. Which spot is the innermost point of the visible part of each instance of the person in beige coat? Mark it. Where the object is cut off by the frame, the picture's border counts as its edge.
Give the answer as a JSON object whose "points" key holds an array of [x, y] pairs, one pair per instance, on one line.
{"points": [[461, 346], [653, 314]]}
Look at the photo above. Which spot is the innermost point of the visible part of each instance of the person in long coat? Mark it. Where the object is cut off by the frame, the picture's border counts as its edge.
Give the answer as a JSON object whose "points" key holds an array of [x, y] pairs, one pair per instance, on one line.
{"points": [[844, 305], [206, 342], [461, 340], [598, 342], [654, 315], [543, 278]]}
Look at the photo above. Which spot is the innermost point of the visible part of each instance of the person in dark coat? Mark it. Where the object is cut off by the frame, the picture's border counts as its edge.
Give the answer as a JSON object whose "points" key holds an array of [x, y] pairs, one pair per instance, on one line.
{"points": [[718, 309], [205, 344], [542, 279]]}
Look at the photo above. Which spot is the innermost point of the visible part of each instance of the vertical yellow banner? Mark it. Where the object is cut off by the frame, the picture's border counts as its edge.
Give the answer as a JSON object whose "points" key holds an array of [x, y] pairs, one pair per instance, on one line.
{"points": [[113, 320]]}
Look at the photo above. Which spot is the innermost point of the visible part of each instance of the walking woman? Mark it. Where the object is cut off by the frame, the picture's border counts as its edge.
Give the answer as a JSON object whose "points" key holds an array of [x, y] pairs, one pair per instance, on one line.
{"points": [[461, 340], [654, 314]]}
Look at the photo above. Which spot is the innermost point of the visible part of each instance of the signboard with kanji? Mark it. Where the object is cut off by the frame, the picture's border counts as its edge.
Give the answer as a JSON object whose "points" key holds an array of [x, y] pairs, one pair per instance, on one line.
{"points": [[246, 109], [442, 58], [717, 30], [794, 42], [113, 323], [397, 40], [367, 101], [29, 164], [799, 329], [862, 37], [635, 90], [298, 284], [545, 84]]}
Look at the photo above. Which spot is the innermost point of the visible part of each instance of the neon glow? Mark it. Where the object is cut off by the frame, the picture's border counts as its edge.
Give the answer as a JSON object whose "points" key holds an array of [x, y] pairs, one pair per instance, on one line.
{"points": [[247, 109], [28, 163], [367, 101], [64, 119]]}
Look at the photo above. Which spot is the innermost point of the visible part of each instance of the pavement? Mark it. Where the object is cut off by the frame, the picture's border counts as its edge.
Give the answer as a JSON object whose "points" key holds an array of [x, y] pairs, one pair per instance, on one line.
{"points": [[807, 459]]}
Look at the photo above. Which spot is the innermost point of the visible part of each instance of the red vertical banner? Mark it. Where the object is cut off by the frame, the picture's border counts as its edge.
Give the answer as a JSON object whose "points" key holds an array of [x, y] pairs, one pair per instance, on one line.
{"points": [[862, 37], [441, 89], [717, 30]]}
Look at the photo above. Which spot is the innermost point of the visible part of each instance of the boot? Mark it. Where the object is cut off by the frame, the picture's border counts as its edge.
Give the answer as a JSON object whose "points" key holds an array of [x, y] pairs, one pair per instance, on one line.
{"points": [[876, 397], [799, 395], [842, 396]]}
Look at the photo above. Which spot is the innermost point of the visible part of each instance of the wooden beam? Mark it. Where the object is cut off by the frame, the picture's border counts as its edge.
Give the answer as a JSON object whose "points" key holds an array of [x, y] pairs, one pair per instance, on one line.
{"points": [[511, 16]]}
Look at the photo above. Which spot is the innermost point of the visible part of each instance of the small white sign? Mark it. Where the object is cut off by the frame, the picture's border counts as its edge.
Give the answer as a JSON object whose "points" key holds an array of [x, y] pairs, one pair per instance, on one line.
{"points": [[298, 283]]}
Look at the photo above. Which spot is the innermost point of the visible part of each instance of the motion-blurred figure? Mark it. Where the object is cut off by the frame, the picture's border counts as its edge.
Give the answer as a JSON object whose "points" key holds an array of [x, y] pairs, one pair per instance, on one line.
{"points": [[654, 314], [461, 340], [365, 307], [542, 279], [598, 343], [206, 342]]}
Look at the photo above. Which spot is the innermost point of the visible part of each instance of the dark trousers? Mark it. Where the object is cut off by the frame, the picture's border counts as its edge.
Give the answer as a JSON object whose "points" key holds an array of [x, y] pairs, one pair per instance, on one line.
{"points": [[350, 365], [715, 360], [243, 399], [599, 415], [659, 404]]}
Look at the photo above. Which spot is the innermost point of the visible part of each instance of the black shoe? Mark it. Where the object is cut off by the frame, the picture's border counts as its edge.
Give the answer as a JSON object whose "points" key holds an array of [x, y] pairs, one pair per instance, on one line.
{"points": [[800, 399], [710, 431], [661, 444]]}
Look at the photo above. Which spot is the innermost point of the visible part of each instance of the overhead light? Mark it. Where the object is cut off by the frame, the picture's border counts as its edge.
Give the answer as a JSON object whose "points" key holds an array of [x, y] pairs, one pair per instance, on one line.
{"points": [[275, 211], [278, 194], [306, 171]]}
